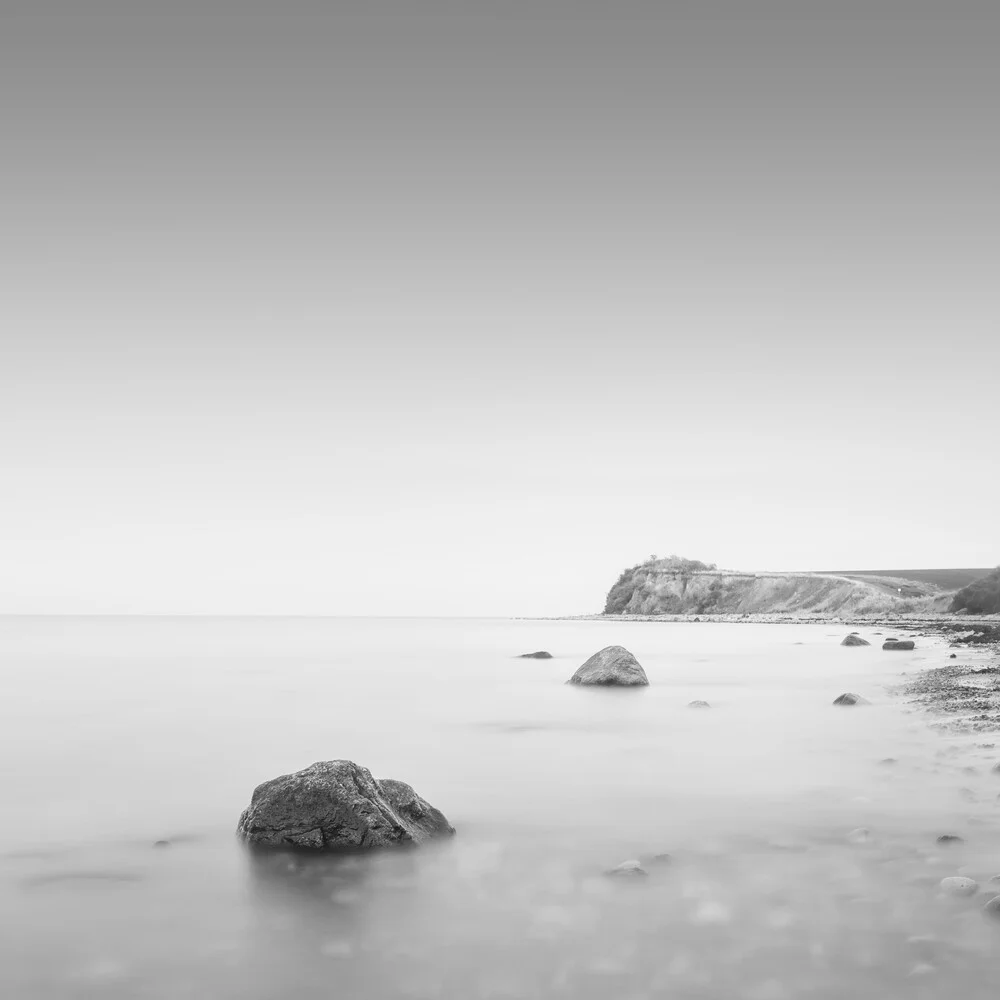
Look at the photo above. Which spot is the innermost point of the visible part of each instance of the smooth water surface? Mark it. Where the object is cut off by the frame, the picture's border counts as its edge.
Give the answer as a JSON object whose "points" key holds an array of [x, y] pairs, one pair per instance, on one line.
{"points": [[117, 733]]}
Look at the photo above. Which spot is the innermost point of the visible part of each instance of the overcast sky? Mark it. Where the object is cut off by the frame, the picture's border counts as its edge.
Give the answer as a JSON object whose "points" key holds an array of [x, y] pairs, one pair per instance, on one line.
{"points": [[460, 313]]}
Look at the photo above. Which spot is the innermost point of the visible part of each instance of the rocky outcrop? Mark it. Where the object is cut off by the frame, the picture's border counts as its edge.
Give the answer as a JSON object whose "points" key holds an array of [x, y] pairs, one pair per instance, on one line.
{"points": [[854, 640], [612, 666], [898, 644], [336, 805], [849, 698]]}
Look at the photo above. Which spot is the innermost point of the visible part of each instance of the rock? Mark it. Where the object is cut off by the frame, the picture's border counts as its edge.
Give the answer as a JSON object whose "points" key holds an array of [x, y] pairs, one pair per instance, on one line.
{"points": [[898, 644], [850, 699], [854, 640], [953, 656], [337, 804], [995, 769], [957, 885], [541, 654], [992, 908], [948, 839], [889, 760], [859, 836], [613, 665], [162, 843], [627, 868], [698, 704]]}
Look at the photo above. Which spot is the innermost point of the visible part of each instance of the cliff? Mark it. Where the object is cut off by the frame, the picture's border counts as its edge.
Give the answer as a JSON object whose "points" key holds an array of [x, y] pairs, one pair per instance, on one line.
{"points": [[678, 586]]}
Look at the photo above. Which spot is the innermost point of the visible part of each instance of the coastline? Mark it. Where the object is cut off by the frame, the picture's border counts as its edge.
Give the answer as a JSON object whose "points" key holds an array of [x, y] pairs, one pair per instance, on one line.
{"points": [[960, 698]]}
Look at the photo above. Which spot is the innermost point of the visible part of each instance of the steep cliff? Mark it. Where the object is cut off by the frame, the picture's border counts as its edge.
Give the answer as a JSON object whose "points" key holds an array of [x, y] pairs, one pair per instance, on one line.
{"points": [[678, 586]]}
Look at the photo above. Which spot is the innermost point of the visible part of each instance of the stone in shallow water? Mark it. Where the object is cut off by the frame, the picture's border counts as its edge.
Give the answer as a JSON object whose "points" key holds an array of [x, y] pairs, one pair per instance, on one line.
{"points": [[630, 867], [540, 654], [337, 804], [698, 704], [904, 644], [957, 885], [992, 908], [611, 666], [949, 839], [849, 698], [854, 640]]}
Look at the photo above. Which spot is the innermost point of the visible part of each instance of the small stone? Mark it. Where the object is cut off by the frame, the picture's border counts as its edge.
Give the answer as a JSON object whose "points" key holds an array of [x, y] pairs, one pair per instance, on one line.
{"points": [[889, 760], [953, 656], [957, 885], [699, 704], [849, 698], [630, 867], [950, 838], [162, 843], [540, 654]]}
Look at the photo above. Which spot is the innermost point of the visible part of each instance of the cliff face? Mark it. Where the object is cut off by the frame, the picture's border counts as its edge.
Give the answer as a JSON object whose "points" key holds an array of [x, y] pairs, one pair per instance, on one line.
{"points": [[657, 587]]}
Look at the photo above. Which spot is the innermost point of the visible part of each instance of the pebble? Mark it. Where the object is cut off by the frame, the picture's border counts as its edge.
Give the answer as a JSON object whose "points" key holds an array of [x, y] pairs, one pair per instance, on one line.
{"points": [[630, 867], [958, 885]]}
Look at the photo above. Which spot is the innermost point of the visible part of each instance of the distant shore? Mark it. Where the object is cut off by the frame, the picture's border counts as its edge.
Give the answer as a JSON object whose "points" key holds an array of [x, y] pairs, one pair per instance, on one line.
{"points": [[960, 698]]}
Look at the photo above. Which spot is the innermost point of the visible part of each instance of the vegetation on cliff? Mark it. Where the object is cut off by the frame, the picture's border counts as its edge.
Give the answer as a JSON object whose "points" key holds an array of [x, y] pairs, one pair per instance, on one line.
{"points": [[981, 597], [679, 586]]}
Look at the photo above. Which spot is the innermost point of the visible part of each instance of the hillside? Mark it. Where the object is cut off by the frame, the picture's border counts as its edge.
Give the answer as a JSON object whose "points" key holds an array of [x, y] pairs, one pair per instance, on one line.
{"points": [[681, 586], [946, 579]]}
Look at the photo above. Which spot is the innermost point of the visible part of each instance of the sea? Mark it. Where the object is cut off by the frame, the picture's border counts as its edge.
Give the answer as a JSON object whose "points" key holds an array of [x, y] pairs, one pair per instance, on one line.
{"points": [[789, 848]]}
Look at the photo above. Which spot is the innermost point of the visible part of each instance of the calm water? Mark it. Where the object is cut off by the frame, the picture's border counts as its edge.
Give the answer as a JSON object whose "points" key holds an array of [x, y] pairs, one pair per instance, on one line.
{"points": [[117, 733]]}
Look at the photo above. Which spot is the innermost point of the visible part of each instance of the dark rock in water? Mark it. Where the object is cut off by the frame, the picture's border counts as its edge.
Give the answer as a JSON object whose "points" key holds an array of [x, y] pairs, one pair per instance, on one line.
{"points": [[953, 656], [699, 704], [540, 655], [947, 839], [613, 665], [848, 698], [898, 644], [162, 843], [889, 760], [337, 804], [992, 908], [854, 640]]}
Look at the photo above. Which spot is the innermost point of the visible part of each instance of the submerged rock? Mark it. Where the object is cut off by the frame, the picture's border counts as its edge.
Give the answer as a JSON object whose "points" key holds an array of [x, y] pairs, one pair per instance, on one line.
{"points": [[613, 665], [948, 839], [849, 698], [992, 908], [699, 704], [541, 654], [337, 804], [854, 640], [898, 644], [627, 868], [957, 885]]}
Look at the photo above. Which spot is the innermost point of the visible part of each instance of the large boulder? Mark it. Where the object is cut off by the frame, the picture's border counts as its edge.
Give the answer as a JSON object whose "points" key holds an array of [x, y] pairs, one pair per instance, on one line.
{"points": [[854, 640], [337, 804], [898, 644], [613, 665]]}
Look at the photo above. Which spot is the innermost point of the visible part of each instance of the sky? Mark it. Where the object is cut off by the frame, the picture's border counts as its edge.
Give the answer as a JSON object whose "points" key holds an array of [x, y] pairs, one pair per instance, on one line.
{"points": [[456, 309]]}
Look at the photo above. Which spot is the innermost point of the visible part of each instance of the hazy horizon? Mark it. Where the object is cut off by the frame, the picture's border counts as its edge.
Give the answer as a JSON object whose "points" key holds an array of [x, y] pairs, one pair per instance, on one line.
{"points": [[456, 313]]}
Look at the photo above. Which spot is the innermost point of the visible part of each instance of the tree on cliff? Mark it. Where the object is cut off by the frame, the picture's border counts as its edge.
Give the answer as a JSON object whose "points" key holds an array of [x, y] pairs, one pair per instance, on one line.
{"points": [[981, 597]]}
